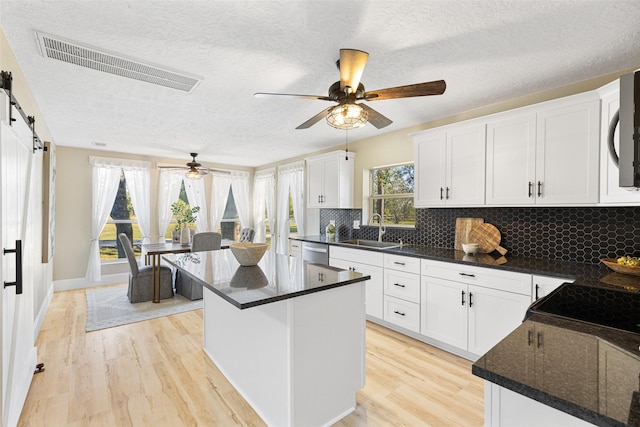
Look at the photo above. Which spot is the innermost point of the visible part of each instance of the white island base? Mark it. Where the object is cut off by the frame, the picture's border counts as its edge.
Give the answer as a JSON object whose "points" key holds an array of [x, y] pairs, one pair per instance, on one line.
{"points": [[297, 362]]}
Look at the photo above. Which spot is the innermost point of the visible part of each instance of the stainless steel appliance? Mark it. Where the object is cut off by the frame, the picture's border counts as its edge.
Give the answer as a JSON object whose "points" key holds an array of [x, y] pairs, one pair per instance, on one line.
{"points": [[628, 158], [315, 252]]}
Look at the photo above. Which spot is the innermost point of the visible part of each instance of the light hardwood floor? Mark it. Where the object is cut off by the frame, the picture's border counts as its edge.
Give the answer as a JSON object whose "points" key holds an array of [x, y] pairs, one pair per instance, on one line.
{"points": [[155, 373]]}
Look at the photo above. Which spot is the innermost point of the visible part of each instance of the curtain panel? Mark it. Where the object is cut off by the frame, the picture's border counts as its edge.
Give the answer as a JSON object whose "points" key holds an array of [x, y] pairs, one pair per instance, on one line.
{"points": [[290, 183], [264, 183]]}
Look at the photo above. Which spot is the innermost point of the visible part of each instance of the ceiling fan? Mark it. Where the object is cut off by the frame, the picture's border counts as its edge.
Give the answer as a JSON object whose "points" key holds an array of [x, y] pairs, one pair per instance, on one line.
{"points": [[348, 114], [195, 170]]}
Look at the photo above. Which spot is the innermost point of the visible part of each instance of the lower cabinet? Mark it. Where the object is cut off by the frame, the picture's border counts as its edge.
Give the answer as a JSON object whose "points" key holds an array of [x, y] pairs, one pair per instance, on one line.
{"points": [[470, 313], [402, 291], [368, 263], [543, 286]]}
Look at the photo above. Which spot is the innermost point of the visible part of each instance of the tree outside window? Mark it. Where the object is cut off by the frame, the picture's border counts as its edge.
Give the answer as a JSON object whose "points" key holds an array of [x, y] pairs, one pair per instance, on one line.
{"points": [[392, 194], [121, 220]]}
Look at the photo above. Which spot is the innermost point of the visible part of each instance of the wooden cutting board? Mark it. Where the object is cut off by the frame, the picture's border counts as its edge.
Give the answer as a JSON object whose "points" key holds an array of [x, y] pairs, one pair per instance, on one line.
{"points": [[463, 227], [488, 237]]}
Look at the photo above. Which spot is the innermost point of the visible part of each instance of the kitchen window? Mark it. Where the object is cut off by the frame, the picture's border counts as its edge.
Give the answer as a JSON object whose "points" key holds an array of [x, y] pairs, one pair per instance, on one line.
{"points": [[391, 195]]}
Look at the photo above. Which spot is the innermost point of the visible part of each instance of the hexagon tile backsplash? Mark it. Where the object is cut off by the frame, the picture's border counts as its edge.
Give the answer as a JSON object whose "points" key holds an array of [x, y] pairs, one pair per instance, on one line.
{"points": [[583, 234]]}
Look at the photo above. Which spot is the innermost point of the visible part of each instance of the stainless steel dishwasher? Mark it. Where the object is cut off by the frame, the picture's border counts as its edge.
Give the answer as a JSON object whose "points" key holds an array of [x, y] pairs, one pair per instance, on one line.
{"points": [[315, 252]]}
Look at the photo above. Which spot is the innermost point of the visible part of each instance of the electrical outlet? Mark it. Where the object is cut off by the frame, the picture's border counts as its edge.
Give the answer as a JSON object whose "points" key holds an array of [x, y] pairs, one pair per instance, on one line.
{"points": [[356, 225], [332, 222]]}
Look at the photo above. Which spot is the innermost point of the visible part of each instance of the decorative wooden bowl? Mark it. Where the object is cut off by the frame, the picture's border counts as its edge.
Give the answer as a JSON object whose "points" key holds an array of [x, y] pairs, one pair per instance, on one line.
{"points": [[248, 254], [612, 263]]}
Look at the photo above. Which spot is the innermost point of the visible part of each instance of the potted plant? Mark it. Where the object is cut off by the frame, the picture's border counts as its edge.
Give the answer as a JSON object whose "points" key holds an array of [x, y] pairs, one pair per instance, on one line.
{"points": [[331, 231], [184, 216]]}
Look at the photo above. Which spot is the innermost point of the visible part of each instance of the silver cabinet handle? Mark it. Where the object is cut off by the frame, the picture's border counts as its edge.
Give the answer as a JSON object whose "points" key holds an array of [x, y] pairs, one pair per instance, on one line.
{"points": [[18, 252]]}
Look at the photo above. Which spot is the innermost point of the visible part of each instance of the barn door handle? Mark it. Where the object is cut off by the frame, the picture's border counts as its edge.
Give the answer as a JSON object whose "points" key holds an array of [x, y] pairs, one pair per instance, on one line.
{"points": [[18, 252]]}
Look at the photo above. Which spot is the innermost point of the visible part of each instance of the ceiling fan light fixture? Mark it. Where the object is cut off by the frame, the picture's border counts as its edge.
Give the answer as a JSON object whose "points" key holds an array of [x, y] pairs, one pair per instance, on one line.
{"points": [[193, 173], [347, 116]]}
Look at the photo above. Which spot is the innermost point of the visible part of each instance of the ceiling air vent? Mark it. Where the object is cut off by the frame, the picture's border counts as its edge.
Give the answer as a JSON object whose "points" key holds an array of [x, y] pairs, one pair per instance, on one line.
{"points": [[86, 56]]}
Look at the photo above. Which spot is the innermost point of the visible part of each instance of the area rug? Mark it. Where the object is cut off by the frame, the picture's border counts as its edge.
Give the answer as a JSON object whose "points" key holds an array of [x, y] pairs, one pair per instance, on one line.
{"points": [[109, 307]]}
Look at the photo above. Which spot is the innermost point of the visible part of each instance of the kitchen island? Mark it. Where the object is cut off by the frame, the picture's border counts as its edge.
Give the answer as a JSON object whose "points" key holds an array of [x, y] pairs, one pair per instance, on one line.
{"points": [[289, 335]]}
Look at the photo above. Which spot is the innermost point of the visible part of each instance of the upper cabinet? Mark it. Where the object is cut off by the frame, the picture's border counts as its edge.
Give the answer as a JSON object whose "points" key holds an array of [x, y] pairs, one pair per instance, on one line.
{"points": [[546, 154], [449, 166], [544, 157], [330, 180], [610, 191], [567, 152]]}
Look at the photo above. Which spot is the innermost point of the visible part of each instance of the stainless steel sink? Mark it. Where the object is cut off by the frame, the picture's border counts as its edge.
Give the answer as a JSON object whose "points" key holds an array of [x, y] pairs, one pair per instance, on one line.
{"points": [[374, 244]]}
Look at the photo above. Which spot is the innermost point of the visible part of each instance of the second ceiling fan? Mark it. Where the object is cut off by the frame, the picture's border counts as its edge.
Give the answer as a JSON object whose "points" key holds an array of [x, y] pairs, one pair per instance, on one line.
{"points": [[349, 114]]}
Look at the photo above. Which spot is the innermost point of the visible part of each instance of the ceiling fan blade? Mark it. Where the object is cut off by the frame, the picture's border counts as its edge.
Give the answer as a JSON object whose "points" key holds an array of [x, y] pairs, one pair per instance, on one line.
{"points": [[205, 171], [375, 118], [352, 63], [172, 167], [419, 89], [315, 119], [290, 95]]}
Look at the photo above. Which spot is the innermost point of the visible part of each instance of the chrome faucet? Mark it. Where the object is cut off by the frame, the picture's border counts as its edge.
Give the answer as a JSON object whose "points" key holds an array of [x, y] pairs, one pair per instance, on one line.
{"points": [[381, 229]]}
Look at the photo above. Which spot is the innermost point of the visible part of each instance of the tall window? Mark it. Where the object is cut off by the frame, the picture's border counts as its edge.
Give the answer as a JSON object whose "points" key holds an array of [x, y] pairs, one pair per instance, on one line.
{"points": [[293, 226], [121, 220], [182, 199], [230, 223], [391, 194]]}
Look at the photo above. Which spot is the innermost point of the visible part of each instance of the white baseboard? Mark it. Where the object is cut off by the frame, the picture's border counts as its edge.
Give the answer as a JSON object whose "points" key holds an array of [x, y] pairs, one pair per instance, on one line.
{"points": [[37, 324], [82, 283]]}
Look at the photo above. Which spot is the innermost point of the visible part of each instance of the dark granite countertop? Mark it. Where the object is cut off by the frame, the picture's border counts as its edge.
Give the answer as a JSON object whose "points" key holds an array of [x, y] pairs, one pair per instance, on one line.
{"points": [[593, 274], [586, 370], [275, 278]]}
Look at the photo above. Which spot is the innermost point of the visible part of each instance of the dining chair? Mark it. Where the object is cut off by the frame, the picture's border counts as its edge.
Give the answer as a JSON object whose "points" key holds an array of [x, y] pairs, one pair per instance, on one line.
{"points": [[141, 278], [246, 235], [185, 285]]}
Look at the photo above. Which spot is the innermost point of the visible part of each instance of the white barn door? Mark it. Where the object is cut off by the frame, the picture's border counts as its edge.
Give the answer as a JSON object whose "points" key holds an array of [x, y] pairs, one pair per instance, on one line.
{"points": [[17, 266]]}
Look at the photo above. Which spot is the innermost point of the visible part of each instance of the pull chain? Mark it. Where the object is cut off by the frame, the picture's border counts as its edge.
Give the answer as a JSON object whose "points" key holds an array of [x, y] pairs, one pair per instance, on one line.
{"points": [[346, 144]]}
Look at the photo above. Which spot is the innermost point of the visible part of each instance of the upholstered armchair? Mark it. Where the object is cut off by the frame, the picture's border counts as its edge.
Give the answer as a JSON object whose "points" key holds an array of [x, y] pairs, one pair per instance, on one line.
{"points": [[141, 279], [185, 285], [246, 235]]}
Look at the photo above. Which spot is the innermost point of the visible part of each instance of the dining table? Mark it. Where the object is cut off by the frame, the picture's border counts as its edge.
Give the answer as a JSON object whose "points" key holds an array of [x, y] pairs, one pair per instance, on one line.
{"points": [[153, 251]]}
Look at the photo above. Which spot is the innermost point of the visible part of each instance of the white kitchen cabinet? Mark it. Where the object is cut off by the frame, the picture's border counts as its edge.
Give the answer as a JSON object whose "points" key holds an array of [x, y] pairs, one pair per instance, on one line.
{"points": [[450, 166], [545, 155], [295, 248], [543, 286], [471, 308], [330, 180], [511, 160], [368, 263], [567, 152], [610, 191], [402, 291]]}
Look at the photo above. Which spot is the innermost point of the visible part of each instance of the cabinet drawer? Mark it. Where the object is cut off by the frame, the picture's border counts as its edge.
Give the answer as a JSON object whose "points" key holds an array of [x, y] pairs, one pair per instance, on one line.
{"points": [[402, 313], [295, 248], [356, 255], [509, 281], [402, 263], [402, 285]]}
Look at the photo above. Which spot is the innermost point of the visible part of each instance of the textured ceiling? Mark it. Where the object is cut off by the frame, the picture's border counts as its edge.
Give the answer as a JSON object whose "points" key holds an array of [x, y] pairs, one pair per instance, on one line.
{"points": [[487, 51]]}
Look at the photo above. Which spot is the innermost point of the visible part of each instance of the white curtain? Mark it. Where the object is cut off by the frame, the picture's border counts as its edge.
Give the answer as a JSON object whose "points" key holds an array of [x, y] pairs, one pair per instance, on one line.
{"points": [[196, 195], [138, 185], [240, 187], [219, 194], [264, 184], [290, 181], [168, 193], [106, 180]]}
